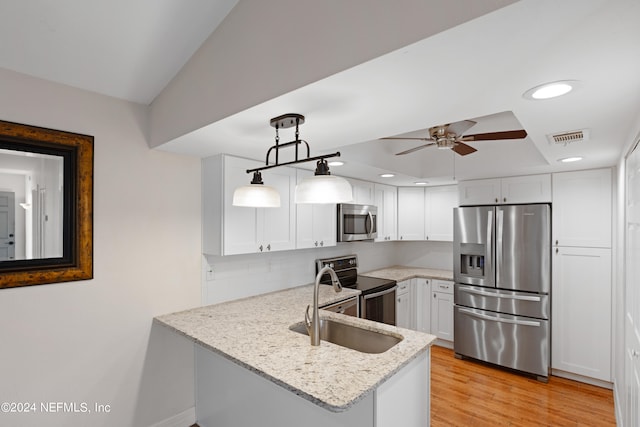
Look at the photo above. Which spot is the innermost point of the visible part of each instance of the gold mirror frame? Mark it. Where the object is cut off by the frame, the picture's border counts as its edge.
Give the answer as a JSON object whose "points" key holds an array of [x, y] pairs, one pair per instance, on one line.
{"points": [[77, 260]]}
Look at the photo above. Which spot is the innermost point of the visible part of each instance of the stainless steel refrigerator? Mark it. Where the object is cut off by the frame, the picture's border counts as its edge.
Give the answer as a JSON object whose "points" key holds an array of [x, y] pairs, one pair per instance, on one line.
{"points": [[502, 270]]}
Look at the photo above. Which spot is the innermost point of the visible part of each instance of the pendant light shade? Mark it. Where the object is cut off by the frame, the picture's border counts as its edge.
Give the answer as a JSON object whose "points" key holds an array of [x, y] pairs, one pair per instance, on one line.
{"points": [[323, 187], [256, 194]]}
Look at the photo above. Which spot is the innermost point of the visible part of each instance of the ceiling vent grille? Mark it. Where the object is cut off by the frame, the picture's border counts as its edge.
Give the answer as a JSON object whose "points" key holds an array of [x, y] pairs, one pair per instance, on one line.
{"points": [[565, 138]]}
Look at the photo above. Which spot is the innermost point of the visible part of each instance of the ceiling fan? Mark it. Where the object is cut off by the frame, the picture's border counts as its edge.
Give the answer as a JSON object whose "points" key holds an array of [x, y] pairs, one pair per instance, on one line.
{"points": [[450, 136]]}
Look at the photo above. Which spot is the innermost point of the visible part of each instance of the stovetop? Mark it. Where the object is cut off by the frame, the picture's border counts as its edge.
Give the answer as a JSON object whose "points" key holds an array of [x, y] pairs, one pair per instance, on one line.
{"points": [[346, 268]]}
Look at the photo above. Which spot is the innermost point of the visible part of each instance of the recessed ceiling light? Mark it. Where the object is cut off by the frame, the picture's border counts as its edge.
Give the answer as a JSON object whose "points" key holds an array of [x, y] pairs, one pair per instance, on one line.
{"points": [[386, 175], [570, 159], [336, 163], [550, 90], [421, 183]]}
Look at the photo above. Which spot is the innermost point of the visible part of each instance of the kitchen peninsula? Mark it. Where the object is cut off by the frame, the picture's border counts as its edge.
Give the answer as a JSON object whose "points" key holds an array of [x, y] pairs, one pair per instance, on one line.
{"points": [[251, 369]]}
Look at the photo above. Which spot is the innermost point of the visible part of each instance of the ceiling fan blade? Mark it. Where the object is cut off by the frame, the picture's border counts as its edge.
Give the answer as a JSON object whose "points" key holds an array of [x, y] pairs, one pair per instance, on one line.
{"points": [[461, 127], [407, 138], [411, 150], [463, 149], [494, 136]]}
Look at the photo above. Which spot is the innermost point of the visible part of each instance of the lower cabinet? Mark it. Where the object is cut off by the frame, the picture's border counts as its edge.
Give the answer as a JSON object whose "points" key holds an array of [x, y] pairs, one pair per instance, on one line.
{"points": [[404, 304], [426, 305], [442, 309]]}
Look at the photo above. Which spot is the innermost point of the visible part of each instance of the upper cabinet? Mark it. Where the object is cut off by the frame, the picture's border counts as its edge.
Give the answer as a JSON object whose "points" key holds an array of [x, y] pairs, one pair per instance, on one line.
{"points": [[363, 192], [439, 204], [386, 199], [411, 213], [228, 229], [426, 213], [517, 189], [582, 204], [316, 223]]}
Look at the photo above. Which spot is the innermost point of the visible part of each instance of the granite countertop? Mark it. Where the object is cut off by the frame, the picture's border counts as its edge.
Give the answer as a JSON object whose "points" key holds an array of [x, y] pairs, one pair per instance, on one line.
{"points": [[400, 273], [254, 333]]}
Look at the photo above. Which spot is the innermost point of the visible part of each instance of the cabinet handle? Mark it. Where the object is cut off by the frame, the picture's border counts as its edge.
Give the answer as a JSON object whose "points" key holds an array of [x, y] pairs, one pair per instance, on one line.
{"points": [[497, 200], [316, 243], [269, 247], [427, 237], [434, 295], [557, 250], [504, 199], [556, 243], [260, 247]]}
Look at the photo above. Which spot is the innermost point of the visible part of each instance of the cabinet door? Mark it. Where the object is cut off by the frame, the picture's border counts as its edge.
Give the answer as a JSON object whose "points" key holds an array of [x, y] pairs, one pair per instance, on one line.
{"points": [[439, 204], [423, 305], [277, 226], [526, 189], [315, 223], [404, 311], [581, 312], [387, 203], [240, 224], [582, 208], [479, 192], [442, 309], [363, 192], [411, 213]]}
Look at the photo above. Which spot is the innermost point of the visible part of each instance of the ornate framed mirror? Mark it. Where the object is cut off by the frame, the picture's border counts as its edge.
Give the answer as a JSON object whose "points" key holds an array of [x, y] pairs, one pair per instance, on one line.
{"points": [[46, 206]]}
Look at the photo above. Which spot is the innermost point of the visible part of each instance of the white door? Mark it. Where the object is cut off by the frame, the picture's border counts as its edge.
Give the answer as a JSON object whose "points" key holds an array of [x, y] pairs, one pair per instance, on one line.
{"points": [[411, 213], [442, 315], [7, 225], [439, 204]]}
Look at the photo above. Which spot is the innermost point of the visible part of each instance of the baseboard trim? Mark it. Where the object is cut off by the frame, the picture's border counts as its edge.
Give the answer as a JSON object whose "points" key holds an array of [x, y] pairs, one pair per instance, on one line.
{"points": [[582, 379], [617, 406], [183, 419], [443, 343]]}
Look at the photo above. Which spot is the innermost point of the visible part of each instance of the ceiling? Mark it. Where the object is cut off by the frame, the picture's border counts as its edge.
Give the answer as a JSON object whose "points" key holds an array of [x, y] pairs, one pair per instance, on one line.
{"points": [[478, 70]]}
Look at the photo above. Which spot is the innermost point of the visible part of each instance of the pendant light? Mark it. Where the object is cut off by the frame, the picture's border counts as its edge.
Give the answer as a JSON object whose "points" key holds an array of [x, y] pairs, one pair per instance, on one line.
{"points": [[256, 194], [321, 188]]}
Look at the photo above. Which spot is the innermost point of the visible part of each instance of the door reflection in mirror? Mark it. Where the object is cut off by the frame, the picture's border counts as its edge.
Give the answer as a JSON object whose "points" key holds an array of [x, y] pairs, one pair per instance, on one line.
{"points": [[31, 205]]}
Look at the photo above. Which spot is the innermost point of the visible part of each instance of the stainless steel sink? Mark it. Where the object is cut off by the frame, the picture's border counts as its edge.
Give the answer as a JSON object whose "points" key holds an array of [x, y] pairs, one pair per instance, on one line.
{"points": [[352, 337]]}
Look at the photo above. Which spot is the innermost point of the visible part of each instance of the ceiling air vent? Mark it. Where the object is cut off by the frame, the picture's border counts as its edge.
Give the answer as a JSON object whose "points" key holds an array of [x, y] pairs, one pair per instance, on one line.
{"points": [[565, 138]]}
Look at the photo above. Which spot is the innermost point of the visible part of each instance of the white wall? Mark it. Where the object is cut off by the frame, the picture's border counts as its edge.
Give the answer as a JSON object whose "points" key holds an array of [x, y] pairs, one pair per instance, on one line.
{"points": [[239, 276], [93, 341]]}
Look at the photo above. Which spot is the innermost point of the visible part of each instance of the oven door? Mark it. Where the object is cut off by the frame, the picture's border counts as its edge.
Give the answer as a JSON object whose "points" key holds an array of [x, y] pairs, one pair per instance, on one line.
{"points": [[380, 306]]}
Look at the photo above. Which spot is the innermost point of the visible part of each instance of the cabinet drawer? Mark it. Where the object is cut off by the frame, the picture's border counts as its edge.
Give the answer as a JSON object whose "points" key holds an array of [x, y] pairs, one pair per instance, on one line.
{"points": [[444, 286]]}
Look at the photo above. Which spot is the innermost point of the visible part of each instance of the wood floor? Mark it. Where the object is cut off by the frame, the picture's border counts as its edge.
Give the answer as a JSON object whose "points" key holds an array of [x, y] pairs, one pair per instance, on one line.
{"points": [[466, 393]]}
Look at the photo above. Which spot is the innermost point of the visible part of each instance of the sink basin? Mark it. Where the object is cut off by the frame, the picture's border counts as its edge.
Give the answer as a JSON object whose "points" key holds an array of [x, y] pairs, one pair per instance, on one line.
{"points": [[352, 337]]}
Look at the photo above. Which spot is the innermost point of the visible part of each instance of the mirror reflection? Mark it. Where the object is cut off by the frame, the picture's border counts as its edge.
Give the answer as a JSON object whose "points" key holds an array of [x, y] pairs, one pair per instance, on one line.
{"points": [[31, 205]]}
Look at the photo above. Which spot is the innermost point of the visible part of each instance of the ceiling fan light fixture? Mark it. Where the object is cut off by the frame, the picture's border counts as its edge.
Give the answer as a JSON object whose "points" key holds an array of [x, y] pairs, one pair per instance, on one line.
{"points": [[550, 90]]}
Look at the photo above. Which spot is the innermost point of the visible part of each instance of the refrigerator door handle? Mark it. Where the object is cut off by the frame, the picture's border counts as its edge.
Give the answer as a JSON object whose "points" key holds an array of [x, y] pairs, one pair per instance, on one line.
{"points": [[489, 249], [499, 228], [497, 319], [498, 295]]}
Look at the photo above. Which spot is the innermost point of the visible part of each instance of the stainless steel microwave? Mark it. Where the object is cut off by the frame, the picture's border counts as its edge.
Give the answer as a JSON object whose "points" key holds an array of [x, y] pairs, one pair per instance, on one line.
{"points": [[357, 222]]}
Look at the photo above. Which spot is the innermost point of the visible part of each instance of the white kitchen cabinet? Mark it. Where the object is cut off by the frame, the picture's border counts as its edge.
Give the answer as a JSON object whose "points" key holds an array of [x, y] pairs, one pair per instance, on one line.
{"points": [[581, 211], [411, 219], [423, 304], [439, 204], [387, 203], [405, 302], [442, 309], [228, 229], [363, 192], [516, 189], [581, 311], [316, 223]]}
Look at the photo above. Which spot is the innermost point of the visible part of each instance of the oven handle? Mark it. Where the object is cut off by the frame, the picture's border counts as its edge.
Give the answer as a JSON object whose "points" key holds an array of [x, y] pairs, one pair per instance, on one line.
{"points": [[497, 319], [498, 295], [379, 294]]}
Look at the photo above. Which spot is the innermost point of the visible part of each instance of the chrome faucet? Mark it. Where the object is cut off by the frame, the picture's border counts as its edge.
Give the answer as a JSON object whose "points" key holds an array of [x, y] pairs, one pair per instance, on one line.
{"points": [[313, 324]]}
